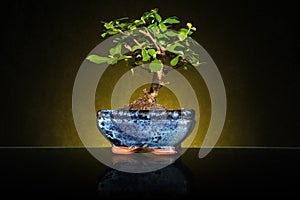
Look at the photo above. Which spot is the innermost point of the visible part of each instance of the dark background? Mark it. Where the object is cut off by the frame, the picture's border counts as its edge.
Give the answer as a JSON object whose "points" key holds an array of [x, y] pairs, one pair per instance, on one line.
{"points": [[254, 44]]}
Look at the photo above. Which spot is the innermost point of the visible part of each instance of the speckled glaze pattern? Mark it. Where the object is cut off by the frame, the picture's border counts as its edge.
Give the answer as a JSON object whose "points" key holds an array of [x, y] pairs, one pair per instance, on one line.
{"points": [[146, 128]]}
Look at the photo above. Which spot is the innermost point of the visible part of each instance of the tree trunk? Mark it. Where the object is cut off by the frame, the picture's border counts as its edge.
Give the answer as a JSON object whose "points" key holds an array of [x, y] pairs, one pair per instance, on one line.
{"points": [[148, 102], [155, 86]]}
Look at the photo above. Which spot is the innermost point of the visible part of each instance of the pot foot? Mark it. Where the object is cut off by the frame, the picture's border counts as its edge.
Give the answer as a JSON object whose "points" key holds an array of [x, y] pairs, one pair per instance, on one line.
{"points": [[123, 150], [163, 151]]}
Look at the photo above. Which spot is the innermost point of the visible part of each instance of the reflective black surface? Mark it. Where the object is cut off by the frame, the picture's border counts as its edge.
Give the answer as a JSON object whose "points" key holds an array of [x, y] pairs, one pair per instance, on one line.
{"points": [[173, 180], [73, 172]]}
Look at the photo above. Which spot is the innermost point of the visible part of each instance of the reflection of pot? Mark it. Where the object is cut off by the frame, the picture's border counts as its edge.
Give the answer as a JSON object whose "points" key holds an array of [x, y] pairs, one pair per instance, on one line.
{"points": [[159, 131], [174, 179], [141, 161]]}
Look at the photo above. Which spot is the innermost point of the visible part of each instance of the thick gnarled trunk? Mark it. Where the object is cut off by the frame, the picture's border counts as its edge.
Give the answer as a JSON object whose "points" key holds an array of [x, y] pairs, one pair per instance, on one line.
{"points": [[155, 86], [148, 102]]}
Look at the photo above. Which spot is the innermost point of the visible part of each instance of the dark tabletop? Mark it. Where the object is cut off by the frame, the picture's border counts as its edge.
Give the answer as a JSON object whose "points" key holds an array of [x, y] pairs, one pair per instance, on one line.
{"points": [[74, 172]]}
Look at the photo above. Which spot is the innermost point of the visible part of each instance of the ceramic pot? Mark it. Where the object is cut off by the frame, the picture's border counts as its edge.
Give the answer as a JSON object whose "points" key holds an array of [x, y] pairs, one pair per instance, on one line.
{"points": [[158, 131]]}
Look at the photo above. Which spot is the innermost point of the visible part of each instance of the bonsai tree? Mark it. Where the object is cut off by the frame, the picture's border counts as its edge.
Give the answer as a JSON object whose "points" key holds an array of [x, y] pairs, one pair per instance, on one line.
{"points": [[149, 40]]}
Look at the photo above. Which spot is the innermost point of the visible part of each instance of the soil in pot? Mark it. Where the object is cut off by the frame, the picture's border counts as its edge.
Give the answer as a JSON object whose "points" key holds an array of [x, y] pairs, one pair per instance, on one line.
{"points": [[147, 102]]}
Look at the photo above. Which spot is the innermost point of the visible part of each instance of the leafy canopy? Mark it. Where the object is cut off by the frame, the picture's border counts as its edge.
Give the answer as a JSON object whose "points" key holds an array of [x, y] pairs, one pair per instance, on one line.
{"points": [[149, 39]]}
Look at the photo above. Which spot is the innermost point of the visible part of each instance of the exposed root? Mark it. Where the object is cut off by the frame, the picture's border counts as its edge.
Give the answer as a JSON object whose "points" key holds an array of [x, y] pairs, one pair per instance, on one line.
{"points": [[147, 102]]}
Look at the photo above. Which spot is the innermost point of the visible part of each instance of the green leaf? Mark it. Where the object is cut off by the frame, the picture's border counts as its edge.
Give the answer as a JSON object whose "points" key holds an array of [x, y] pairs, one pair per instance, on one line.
{"points": [[116, 40], [162, 27], [135, 47], [159, 36], [184, 30], [162, 42], [152, 52], [173, 46], [98, 59], [155, 10], [145, 55], [171, 20], [193, 59], [153, 27], [155, 66], [143, 20], [111, 32], [174, 61], [178, 52], [123, 25], [138, 22], [123, 18], [103, 34], [158, 17], [190, 33], [122, 57], [132, 27], [182, 36], [173, 50], [112, 62], [190, 26], [115, 50], [148, 16], [171, 33], [109, 25]]}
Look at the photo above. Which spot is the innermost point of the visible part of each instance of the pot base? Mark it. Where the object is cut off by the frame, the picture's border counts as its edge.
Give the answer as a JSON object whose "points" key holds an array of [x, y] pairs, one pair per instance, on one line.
{"points": [[130, 150]]}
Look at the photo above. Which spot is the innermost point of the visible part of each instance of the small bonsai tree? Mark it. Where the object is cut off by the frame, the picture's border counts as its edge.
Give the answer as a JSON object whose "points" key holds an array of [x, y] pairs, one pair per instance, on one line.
{"points": [[151, 40]]}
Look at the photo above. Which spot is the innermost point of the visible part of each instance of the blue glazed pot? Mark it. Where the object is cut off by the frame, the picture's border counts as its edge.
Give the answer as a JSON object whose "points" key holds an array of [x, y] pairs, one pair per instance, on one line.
{"points": [[160, 131]]}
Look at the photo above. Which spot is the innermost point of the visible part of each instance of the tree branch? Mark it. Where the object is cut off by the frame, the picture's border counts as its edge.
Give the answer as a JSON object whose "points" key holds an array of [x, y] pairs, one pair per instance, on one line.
{"points": [[159, 49], [129, 35], [173, 43]]}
